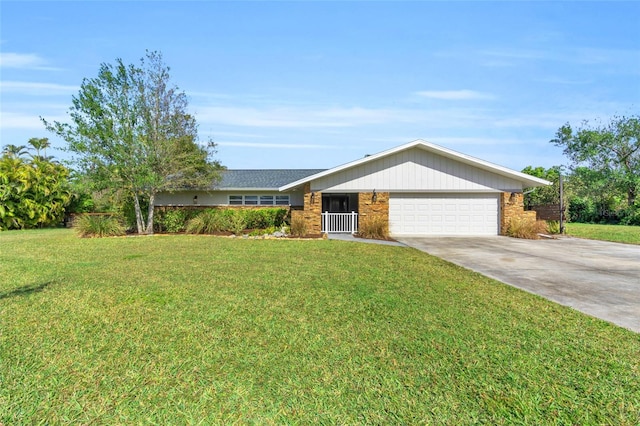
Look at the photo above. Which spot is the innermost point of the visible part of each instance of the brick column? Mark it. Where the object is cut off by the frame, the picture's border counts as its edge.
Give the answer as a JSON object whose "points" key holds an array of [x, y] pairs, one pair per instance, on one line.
{"points": [[370, 209], [312, 213], [512, 206]]}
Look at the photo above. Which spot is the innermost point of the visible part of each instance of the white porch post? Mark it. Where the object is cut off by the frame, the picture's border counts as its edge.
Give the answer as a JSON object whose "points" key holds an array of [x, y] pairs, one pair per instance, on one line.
{"points": [[354, 219]]}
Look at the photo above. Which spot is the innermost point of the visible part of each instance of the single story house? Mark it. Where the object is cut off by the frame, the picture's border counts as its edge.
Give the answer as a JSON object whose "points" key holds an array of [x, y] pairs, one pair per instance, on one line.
{"points": [[418, 188]]}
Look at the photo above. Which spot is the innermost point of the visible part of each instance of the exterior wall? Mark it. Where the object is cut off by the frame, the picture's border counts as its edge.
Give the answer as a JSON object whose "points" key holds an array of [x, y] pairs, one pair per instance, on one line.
{"points": [[312, 211], [415, 170], [370, 209], [512, 206], [218, 198]]}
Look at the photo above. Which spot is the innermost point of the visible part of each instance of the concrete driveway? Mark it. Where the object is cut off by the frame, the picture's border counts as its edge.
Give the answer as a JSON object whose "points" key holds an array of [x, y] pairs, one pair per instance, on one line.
{"points": [[598, 278]]}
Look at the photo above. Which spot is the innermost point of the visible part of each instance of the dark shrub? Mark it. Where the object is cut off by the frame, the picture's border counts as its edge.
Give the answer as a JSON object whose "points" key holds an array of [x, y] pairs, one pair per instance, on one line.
{"points": [[171, 220]]}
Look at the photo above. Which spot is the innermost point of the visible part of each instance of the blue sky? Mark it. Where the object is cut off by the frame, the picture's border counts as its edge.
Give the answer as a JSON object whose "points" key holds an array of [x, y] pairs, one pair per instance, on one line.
{"points": [[318, 84]]}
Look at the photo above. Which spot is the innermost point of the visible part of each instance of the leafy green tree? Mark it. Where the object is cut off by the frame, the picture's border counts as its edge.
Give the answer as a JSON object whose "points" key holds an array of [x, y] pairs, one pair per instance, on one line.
{"points": [[543, 194], [611, 150], [131, 131], [34, 191]]}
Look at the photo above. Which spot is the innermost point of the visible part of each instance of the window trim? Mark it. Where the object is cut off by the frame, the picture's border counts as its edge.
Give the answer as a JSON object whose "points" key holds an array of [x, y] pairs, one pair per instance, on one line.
{"points": [[256, 200]]}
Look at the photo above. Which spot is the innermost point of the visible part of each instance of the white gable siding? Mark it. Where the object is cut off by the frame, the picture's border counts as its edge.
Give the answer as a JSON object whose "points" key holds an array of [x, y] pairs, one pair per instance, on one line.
{"points": [[415, 170]]}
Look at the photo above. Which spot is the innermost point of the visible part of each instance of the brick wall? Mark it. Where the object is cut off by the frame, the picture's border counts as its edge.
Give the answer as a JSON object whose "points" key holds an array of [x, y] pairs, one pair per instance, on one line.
{"points": [[511, 206], [368, 208], [312, 210]]}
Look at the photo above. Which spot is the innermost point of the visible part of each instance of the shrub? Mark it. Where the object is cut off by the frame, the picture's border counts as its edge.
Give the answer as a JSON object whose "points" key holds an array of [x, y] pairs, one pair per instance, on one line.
{"points": [[298, 227], [172, 220], [264, 218], [88, 226], [237, 221], [631, 215], [553, 226], [267, 231], [207, 222], [581, 210], [373, 227], [528, 229]]}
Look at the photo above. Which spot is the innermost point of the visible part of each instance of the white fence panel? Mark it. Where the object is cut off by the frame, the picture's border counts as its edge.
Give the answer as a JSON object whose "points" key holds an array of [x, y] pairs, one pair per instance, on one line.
{"points": [[340, 222]]}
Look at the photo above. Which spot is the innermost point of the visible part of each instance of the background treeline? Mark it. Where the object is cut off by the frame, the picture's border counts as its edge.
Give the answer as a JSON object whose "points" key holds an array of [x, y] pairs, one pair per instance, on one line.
{"points": [[602, 181]]}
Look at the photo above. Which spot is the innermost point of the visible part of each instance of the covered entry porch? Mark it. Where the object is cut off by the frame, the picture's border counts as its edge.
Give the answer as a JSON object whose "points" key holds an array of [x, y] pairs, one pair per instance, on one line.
{"points": [[339, 213]]}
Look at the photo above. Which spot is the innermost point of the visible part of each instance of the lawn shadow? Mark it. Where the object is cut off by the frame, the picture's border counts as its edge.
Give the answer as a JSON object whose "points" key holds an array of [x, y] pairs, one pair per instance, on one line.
{"points": [[25, 290]]}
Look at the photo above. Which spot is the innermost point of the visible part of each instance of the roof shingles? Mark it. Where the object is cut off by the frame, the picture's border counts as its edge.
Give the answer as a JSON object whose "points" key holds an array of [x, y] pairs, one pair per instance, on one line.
{"points": [[262, 179]]}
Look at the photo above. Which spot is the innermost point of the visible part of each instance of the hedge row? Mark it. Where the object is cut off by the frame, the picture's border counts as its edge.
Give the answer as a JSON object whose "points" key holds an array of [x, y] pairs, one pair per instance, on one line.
{"points": [[219, 220]]}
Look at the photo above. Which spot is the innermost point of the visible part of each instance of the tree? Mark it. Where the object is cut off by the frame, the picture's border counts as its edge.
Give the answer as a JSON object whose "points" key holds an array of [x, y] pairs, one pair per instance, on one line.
{"points": [[543, 194], [131, 131], [14, 151], [612, 150], [34, 191], [40, 144]]}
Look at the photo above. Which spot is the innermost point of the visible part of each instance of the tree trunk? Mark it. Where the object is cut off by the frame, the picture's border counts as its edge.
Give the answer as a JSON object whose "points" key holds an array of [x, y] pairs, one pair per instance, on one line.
{"points": [[139, 222], [150, 215]]}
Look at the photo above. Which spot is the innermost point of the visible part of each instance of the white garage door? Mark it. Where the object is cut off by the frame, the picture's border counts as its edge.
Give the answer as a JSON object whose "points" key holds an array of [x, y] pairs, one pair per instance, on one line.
{"points": [[443, 214]]}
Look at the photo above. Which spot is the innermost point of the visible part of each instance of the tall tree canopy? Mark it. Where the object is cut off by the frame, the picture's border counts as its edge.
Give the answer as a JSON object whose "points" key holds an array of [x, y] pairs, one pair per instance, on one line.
{"points": [[131, 131], [611, 150]]}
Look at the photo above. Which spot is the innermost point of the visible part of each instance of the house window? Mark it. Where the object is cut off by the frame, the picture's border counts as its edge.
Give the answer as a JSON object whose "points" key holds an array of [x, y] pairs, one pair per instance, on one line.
{"points": [[235, 200], [255, 200], [266, 200], [282, 200]]}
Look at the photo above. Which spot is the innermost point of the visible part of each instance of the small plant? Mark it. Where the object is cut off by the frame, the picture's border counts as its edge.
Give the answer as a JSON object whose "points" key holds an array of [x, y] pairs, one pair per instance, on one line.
{"points": [[553, 226], [374, 228], [258, 232], [527, 229], [298, 227], [207, 222], [88, 226]]}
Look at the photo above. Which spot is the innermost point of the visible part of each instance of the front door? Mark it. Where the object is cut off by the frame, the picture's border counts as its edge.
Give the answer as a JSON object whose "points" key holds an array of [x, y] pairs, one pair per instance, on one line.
{"points": [[335, 203]]}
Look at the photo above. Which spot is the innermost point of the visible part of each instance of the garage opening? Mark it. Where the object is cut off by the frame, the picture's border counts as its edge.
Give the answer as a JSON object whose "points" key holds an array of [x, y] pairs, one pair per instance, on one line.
{"points": [[443, 214]]}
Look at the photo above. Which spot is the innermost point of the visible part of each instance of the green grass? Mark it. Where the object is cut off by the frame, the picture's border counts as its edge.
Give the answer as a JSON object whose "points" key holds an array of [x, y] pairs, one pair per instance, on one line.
{"points": [[206, 330], [615, 233]]}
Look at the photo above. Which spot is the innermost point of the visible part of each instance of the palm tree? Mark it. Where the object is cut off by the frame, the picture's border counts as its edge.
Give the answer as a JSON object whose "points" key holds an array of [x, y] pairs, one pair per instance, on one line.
{"points": [[40, 144], [14, 151]]}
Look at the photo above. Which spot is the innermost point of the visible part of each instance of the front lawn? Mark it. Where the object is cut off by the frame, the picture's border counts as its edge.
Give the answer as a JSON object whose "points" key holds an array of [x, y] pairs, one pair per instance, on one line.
{"points": [[207, 330], [615, 233]]}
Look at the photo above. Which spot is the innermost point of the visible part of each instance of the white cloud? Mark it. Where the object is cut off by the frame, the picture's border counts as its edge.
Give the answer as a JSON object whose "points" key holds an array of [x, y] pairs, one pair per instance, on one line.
{"points": [[454, 95], [20, 60], [23, 61], [36, 89], [12, 120]]}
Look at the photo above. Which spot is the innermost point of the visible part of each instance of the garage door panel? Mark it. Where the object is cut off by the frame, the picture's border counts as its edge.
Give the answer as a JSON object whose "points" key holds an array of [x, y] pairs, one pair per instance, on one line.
{"points": [[443, 214]]}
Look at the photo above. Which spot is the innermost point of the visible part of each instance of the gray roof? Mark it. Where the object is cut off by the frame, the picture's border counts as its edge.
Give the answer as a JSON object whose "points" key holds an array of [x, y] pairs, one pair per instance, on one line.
{"points": [[262, 179]]}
